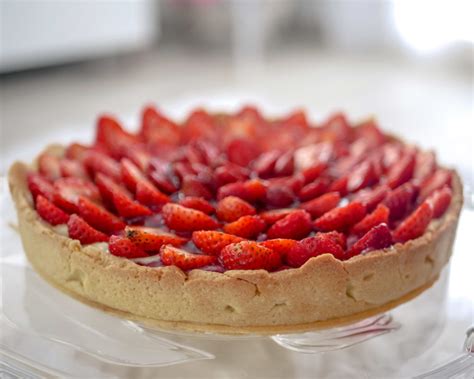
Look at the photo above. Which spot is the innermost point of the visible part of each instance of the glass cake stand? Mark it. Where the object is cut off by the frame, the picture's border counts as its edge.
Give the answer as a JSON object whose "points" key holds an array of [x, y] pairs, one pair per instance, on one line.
{"points": [[46, 333]]}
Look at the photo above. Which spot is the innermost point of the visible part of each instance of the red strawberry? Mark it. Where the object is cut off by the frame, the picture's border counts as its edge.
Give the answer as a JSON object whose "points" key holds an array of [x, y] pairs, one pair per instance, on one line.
{"points": [[139, 156], [272, 216], [251, 190], [311, 173], [264, 165], [339, 185], [149, 196], [402, 171], [130, 174], [249, 255], [312, 247], [378, 216], [400, 200], [50, 212], [379, 237], [82, 231], [160, 174], [157, 129], [123, 247], [281, 245], [151, 239], [279, 196], [185, 261], [230, 173], [439, 179], [48, 166], [415, 224], [68, 191], [98, 162], [425, 165], [341, 218], [197, 203], [73, 168], [322, 204], [361, 176], [371, 197], [192, 186], [111, 136], [296, 225], [98, 217], [38, 185], [199, 124], [440, 200], [76, 151], [285, 164], [246, 227], [242, 151], [212, 242], [314, 189], [336, 237], [184, 219], [231, 208]]}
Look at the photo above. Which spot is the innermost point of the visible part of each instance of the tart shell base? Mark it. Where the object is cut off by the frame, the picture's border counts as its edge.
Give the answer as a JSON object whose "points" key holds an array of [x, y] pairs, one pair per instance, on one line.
{"points": [[324, 292]]}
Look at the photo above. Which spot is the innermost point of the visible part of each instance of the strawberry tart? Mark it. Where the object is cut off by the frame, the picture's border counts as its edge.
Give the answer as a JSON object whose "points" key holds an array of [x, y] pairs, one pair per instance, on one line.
{"points": [[237, 223]]}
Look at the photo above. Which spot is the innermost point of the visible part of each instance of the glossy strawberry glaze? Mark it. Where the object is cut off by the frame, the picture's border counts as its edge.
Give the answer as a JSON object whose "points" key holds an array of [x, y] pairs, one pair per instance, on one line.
{"points": [[239, 191]]}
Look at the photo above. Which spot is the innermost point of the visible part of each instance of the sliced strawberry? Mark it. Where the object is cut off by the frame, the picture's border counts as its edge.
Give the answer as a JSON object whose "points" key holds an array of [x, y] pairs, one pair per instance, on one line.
{"points": [[212, 242], [249, 255], [231, 208], [151, 239], [341, 218], [339, 185], [279, 196], [246, 227], [440, 200], [415, 224], [80, 230], [230, 173], [337, 127], [68, 191], [312, 247], [281, 245], [371, 197], [272, 216], [251, 190], [361, 176], [370, 132], [264, 165], [197, 203], [48, 166], [400, 200], [199, 124], [311, 173], [157, 129], [379, 237], [72, 168], [151, 197], [425, 165], [192, 186], [402, 171], [139, 156], [127, 207], [184, 219], [98, 162], [296, 225], [123, 247], [130, 174], [242, 151], [336, 237], [98, 217], [113, 137], [76, 151], [314, 189], [439, 179], [106, 188], [50, 212], [319, 206], [379, 216], [38, 185], [172, 256], [285, 165]]}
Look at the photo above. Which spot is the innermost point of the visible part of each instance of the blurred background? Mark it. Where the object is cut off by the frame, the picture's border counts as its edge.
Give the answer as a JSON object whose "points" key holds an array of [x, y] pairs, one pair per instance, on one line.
{"points": [[410, 63]]}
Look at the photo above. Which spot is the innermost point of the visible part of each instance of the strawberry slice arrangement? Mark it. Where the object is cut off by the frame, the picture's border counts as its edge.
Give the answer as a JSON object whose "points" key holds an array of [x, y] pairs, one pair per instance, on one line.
{"points": [[239, 191]]}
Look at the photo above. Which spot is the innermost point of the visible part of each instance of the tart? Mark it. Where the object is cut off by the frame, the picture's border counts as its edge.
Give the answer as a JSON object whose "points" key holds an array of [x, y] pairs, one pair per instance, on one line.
{"points": [[237, 223]]}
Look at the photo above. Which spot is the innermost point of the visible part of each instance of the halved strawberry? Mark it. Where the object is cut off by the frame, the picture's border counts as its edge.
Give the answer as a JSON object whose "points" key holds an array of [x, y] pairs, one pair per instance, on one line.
{"points": [[272, 216], [50, 212], [199, 124], [313, 189], [285, 164], [38, 185], [264, 165], [159, 172], [339, 185], [231, 208], [341, 218], [425, 165], [378, 216], [246, 227], [192, 186], [321, 204], [361, 176], [197, 203], [113, 137], [249, 255], [415, 224], [70, 167], [148, 195], [250, 190], [151, 239], [48, 166], [440, 200], [80, 230], [439, 179], [295, 225], [371, 197], [402, 171], [97, 162], [312, 247], [98, 217], [157, 129], [400, 200], [212, 242], [184, 219], [68, 191], [281, 245], [242, 151], [130, 174], [230, 173], [311, 173], [279, 195], [336, 237], [171, 255], [76, 151], [123, 247], [379, 237]]}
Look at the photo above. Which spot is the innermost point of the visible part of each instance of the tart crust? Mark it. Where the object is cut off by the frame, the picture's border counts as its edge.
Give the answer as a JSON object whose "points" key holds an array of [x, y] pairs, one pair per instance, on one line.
{"points": [[324, 292]]}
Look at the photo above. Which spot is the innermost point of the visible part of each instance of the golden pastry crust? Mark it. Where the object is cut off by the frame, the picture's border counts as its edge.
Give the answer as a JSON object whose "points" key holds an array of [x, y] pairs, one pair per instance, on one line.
{"points": [[323, 292]]}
